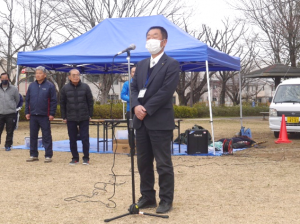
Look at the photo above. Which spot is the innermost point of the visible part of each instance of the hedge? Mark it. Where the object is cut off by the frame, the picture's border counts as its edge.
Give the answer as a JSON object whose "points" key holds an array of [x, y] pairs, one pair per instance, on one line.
{"points": [[233, 111], [107, 111], [114, 111]]}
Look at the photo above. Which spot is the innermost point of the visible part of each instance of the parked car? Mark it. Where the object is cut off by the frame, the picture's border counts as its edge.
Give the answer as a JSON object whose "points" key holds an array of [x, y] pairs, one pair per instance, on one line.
{"points": [[286, 101]]}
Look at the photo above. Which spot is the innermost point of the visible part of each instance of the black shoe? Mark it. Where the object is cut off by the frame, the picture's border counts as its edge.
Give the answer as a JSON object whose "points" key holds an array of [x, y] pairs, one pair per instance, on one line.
{"points": [[73, 162], [164, 207], [144, 202], [86, 162]]}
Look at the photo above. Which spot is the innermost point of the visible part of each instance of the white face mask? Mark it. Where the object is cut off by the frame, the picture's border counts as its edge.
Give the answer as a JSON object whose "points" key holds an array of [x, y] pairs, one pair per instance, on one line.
{"points": [[153, 46]]}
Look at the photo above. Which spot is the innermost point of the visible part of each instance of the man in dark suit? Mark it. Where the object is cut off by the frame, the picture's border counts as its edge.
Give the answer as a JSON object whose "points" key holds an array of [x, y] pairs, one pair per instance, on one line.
{"points": [[152, 88]]}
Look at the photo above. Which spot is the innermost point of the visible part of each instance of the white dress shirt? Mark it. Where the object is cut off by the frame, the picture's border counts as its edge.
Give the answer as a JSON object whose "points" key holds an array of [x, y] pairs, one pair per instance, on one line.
{"points": [[153, 61]]}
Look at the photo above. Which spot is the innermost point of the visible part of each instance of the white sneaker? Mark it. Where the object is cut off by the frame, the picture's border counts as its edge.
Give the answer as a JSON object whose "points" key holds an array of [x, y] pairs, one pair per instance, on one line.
{"points": [[48, 160], [32, 158]]}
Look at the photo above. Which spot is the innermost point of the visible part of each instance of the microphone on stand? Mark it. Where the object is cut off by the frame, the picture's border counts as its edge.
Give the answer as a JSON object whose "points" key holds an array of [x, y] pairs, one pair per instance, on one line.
{"points": [[131, 47]]}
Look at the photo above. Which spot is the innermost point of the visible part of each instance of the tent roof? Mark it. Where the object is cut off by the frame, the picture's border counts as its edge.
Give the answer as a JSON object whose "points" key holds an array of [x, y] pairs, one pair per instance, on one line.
{"points": [[93, 51], [276, 70]]}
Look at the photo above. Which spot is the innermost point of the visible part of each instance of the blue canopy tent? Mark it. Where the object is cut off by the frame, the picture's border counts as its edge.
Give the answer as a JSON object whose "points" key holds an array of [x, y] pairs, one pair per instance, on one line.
{"points": [[97, 47], [93, 51]]}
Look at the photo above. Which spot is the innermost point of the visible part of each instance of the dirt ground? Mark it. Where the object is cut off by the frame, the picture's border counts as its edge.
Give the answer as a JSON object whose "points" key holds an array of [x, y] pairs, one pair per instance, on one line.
{"points": [[256, 185]]}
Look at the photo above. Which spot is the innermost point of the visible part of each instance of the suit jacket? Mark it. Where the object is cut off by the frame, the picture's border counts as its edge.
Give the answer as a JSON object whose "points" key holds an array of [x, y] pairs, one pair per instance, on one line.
{"points": [[160, 89]]}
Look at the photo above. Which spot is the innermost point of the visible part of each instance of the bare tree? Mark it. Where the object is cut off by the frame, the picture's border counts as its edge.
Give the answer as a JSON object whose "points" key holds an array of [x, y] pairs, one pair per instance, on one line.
{"points": [[279, 22], [248, 56], [79, 16], [228, 40], [9, 29], [26, 25], [191, 86], [59, 79], [233, 40], [43, 22], [103, 84]]}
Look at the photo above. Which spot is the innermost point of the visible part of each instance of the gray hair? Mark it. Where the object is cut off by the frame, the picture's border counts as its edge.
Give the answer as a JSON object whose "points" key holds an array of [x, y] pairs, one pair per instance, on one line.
{"points": [[41, 68], [74, 69]]}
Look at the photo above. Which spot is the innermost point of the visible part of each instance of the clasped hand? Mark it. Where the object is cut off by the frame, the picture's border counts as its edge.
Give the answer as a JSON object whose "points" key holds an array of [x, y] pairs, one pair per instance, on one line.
{"points": [[140, 112]]}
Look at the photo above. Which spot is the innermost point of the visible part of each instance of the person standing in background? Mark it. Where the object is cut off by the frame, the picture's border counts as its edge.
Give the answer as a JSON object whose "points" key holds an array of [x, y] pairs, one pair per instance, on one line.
{"points": [[125, 95], [19, 107], [9, 98], [76, 107], [40, 108]]}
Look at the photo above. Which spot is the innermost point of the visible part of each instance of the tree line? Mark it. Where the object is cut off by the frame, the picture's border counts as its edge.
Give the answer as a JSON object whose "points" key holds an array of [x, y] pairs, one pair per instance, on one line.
{"points": [[267, 33]]}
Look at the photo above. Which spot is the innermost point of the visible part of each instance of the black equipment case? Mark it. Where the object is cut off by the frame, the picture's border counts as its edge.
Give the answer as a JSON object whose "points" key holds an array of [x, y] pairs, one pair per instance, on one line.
{"points": [[197, 141]]}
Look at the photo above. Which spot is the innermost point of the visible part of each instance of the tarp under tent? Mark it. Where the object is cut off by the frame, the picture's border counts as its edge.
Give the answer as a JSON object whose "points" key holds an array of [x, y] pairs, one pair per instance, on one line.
{"points": [[93, 51]]}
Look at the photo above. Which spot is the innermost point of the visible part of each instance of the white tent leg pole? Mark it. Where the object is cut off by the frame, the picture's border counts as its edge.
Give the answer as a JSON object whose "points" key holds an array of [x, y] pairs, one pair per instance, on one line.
{"points": [[241, 104], [123, 111], [210, 109], [17, 77]]}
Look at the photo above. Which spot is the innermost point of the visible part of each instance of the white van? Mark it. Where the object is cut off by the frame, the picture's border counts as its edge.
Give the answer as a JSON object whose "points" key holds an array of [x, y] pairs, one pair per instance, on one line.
{"points": [[286, 101]]}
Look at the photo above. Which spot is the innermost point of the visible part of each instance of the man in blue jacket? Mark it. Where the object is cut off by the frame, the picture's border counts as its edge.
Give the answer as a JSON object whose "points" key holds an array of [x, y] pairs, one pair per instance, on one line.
{"points": [[40, 108], [125, 94]]}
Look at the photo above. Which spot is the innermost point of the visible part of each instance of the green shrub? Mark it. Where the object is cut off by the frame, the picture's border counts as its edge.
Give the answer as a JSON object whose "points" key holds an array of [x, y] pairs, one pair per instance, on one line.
{"points": [[185, 112], [57, 113], [22, 113], [199, 110], [254, 111], [202, 110], [108, 111], [23, 118], [232, 111]]}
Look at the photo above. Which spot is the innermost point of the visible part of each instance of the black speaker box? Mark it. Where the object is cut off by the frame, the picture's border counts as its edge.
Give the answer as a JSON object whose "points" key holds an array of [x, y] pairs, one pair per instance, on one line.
{"points": [[197, 141]]}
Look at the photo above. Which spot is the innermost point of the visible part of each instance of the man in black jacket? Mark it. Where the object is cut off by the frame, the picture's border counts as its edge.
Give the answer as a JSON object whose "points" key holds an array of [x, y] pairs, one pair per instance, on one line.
{"points": [[40, 108], [76, 106]]}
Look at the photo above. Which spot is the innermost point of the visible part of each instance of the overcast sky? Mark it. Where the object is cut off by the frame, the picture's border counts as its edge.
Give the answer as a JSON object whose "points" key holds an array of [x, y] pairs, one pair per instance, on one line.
{"points": [[211, 12]]}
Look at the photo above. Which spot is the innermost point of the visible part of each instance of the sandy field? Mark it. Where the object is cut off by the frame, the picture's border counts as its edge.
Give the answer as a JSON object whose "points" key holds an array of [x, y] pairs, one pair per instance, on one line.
{"points": [[256, 185]]}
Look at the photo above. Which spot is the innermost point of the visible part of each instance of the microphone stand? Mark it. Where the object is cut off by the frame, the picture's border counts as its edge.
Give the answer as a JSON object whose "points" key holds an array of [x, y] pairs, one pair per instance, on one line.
{"points": [[133, 209]]}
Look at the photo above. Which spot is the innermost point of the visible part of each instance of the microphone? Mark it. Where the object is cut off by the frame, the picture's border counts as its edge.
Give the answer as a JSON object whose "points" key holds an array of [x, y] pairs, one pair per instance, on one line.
{"points": [[131, 47]]}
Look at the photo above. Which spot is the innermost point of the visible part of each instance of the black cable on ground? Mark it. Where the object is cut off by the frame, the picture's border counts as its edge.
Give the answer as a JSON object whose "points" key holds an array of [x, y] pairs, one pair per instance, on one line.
{"points": [[104, 184]]}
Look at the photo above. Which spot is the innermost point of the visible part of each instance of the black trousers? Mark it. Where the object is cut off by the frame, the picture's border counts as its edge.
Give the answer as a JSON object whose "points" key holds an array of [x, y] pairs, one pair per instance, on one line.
{"points": [[9, 120], [83, 127], [16, 115], [155, 145], [127, 118], [43, 123]]}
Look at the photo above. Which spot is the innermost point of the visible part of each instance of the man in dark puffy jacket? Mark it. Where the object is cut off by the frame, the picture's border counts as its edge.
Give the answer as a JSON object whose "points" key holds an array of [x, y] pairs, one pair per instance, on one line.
{"points": [[76, 107], [40, 108]]}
